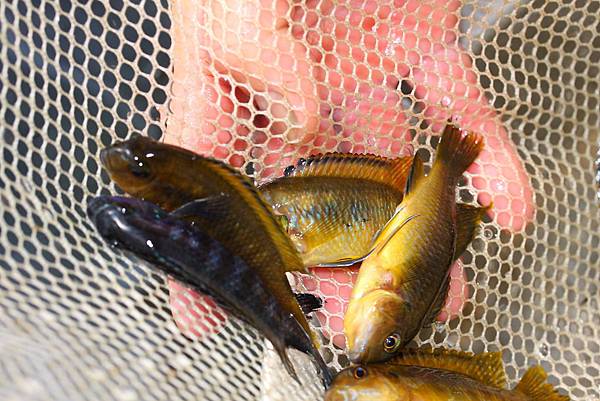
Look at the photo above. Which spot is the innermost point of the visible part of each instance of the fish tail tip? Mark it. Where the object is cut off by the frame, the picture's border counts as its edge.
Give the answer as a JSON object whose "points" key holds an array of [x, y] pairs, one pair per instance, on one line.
{"points": [[309, 302], [458, 149], [533, 385], [287, 363]]}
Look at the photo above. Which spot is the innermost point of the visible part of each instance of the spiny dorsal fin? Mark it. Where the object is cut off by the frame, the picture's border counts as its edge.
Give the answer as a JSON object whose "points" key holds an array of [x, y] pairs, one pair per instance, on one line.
{"points": [[415, 174], [467, 221], [349, 165], [534, 386], [486, 368]]}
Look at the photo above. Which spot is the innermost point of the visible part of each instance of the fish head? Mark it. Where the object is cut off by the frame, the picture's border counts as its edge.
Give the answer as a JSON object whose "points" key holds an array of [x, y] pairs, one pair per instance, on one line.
{"points": [[126, 222], [373, 326], [135, 163], [366, 383]]}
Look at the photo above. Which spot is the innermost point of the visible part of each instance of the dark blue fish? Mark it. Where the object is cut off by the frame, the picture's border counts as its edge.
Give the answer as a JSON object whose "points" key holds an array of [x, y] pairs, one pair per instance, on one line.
{"points": [[187, 254]]}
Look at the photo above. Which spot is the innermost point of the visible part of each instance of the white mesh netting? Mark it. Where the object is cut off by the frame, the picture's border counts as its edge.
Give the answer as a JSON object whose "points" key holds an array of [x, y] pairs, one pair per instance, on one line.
{"points": [[260, 84]]}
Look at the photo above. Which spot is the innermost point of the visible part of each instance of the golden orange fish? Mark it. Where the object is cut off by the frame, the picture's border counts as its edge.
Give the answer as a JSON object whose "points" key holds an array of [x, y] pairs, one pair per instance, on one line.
{"points": [[403, 283], [439, 375], [334, 204]]}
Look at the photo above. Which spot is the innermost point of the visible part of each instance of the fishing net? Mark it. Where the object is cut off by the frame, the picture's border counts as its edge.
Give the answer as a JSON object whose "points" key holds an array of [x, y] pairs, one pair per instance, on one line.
{"points": [[260, 84]]}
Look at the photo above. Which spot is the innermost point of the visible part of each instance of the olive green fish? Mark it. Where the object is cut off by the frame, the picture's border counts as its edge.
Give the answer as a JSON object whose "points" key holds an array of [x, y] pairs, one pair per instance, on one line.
{"points": [[219, 201], [439, 375], [403, 283], [333, 204]]}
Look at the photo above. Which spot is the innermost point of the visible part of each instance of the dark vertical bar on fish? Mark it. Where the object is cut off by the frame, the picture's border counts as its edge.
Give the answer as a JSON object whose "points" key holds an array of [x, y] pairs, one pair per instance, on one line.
{"points": [[184, 252]]}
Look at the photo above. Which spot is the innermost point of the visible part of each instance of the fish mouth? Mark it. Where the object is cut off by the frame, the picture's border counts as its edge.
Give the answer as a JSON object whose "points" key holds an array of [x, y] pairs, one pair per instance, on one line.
{"points": [[357, 356]]}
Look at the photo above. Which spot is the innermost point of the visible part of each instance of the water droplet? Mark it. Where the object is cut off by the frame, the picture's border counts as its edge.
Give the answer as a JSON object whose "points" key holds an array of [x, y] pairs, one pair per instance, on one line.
{"points": [[445, 101], [500, 186], [389, 50], [544, 349], [489, 234], [456, 119], [439, 326]]}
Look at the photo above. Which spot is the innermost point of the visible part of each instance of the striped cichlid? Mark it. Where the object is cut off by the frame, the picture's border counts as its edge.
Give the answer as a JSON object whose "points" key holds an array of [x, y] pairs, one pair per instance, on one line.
{"points": [[403, 282], [185, 252], [439, 375], [217, 199], [332, 205]]}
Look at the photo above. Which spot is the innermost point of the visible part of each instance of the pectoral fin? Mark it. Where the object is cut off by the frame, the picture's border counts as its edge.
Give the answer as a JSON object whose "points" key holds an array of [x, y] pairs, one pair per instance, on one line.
{"points": [[211, 208]]}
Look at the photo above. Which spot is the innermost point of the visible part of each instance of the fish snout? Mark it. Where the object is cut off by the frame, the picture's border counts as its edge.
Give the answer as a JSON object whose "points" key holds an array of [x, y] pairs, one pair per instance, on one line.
{"points": [[358, 354], [355, 356], [116, 158]]}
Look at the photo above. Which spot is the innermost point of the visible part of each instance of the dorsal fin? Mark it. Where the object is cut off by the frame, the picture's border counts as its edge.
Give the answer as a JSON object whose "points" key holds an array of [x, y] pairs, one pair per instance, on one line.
{"points": [[349, 165], [534, 386], [486, 367], [415, 174]]}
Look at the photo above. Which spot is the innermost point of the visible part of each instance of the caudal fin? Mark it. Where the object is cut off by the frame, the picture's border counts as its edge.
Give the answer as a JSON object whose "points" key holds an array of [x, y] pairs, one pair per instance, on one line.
{"points": [[308, 302], [534, 386], [457, 150]]}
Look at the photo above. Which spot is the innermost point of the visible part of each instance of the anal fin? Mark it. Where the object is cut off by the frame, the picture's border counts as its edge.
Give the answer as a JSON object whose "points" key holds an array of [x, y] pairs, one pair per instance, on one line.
{"points": [[468, 219]]}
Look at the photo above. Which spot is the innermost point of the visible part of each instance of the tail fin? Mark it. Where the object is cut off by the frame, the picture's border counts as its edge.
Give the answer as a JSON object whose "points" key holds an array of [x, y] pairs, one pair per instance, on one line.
{"points": [[281, 350], [533, 385], [308, 302], [325, 372], [457, 150]]}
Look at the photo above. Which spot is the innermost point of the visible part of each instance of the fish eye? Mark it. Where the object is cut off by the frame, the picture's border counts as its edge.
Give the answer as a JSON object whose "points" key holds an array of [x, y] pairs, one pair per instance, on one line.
{"points": [[139, 169], [391, 343], [360, 372]]}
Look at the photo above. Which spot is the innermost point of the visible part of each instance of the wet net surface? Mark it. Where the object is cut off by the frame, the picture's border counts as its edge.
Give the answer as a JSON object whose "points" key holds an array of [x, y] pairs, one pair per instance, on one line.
{"points": [[259, 85]]}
